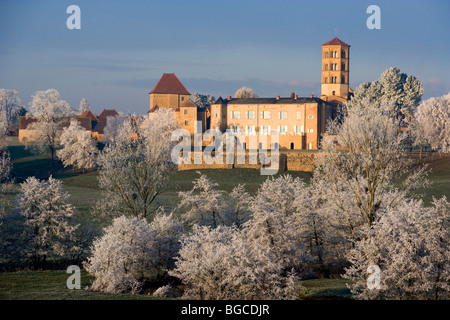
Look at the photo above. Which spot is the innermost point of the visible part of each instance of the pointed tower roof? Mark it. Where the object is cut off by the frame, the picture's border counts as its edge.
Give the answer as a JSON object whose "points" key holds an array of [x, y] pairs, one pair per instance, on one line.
{"points": [[169, 84], [336, 42]]}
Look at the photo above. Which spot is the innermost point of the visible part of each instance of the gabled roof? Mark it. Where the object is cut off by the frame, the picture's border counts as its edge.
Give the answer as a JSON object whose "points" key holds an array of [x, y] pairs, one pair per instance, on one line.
{"points": [[189, 104], [88, 114], [336, 42], [170, 84], [107, 113]]}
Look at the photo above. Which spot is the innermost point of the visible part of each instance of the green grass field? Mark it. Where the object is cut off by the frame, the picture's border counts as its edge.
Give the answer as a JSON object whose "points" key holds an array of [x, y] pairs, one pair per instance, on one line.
{"points": [[83, 188], [51, 285]]}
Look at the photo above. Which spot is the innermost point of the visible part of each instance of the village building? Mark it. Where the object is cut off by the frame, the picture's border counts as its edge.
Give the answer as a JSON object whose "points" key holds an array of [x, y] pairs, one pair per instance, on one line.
{"points": [[170, 93], [87, 120], [300, 122]]}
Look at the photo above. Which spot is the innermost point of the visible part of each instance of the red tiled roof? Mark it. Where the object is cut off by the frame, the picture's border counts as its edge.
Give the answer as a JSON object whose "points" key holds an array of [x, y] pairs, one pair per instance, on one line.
{"points": [[153, 109], [25, 121], [170, 84], [85, 122], [336, 42], [87, 114], [189, 104], [107, 113]]}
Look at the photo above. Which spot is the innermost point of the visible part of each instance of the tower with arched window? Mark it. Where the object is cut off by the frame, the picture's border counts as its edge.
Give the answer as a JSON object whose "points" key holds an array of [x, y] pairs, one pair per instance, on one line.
{"points": [[335, 70]]}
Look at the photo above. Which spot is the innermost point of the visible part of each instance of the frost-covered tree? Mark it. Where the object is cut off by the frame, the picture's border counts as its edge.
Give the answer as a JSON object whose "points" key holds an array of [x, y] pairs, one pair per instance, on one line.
{"points": [[273, 222], [433, 122], [133, 172], [78, 148], [48, 226], [365, 169], [321, 240], [5, 165], [393, 88], [164, 292], [204, 203], [49, 111], [202, 100], [84, 106], [410, 245], [9, 103], [123, 257], [218, 263], [237, 206], [5, 179], [245, 92], [119, 129], [167, 234], [3, 129]]}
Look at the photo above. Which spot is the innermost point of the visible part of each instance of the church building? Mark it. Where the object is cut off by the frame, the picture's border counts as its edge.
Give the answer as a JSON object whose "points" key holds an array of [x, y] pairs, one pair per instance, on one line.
{"points": [[300, 122]]}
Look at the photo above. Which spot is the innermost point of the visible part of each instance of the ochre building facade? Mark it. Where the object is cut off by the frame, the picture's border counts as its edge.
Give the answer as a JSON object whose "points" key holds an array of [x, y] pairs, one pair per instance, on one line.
{"points": [[298, 122]]}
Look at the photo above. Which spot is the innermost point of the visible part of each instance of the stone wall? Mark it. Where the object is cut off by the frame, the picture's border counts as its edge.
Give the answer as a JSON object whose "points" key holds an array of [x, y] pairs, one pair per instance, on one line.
{"points": [[287, 162]]}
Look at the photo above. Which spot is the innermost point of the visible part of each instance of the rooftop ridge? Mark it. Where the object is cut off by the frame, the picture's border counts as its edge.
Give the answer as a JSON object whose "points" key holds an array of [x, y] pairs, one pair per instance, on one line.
{"points": [[169, 84]]}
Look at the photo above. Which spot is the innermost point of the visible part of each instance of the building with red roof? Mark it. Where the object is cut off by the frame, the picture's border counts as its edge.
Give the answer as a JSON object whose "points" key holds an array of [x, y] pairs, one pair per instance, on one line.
{"points": [[170, 93]]}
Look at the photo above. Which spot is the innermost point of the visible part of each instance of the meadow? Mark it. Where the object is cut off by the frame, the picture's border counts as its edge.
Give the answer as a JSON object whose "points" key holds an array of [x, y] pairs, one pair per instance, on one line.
{"points": [[84, 191]]}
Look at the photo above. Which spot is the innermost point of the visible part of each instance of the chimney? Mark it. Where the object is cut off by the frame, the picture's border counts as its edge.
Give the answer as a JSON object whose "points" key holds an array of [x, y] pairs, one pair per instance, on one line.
{"points": [[295, 97], [312, 96], [229, 98], [278, 97]]}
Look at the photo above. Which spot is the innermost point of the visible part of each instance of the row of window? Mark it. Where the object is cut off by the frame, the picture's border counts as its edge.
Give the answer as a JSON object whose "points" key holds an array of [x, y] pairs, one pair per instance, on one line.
{"points": [[282, 115], [333, 66], [334, 54], [266, 130], [334, 79], [275, 145]]}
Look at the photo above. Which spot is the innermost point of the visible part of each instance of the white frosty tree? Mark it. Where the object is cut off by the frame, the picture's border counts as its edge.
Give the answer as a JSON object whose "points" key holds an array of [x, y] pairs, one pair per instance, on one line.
{"points": [[245, 92], [204, 203], [321, 240], [119, 129], [49, 112], [5, 165], [273, 224], [237, 207], [217, 264], [202, 100], [167, 234], [48, 219], [123, 257], [393, 88], [410, 246], [433, 122], [9, 103], [84, 106], [5, 179], [78, 148], [133, 172], [365, 169]]}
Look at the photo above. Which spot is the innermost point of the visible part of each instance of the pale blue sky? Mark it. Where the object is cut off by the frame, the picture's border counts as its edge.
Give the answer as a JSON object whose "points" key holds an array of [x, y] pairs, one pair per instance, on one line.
{"points": [[213, 47]]}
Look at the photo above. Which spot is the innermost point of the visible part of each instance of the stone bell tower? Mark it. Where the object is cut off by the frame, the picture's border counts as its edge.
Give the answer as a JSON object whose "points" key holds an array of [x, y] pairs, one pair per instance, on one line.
{"points": [[335, 70]]}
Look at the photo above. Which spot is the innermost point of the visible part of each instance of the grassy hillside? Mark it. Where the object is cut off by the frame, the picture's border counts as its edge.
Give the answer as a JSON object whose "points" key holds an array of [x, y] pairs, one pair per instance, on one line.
{"points": [[84, 190]]}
